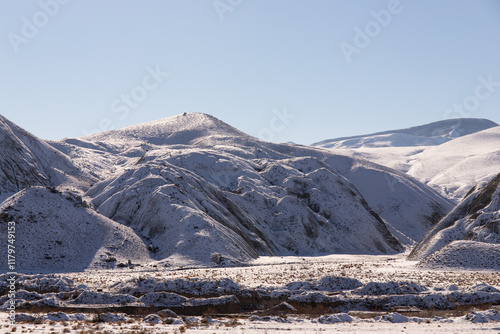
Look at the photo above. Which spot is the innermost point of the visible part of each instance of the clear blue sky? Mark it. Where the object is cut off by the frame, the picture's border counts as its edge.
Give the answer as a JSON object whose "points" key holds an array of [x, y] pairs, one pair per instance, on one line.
{"points": [[71, 67]]}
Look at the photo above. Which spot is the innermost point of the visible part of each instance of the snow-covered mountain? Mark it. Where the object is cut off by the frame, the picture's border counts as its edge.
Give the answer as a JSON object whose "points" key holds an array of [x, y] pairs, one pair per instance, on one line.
{"points": [[276, 186], [453, 168], [460, 154], [195, 190], [28, 161], [18, 167], [431, 134], [470, 229], [185, 129], [56, 232]]}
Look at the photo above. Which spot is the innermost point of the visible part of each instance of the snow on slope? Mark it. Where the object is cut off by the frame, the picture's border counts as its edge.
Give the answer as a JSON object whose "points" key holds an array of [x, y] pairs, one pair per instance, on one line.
{"points": [[451, 168], [28, 161], [102, 154], [431, 134], [410, 207], [55, 232], [286, 210], [455, 167], [277, 211], [180, 213], [476, 218], [185, 129], [465, 254], [201, 192], [18, 167]]}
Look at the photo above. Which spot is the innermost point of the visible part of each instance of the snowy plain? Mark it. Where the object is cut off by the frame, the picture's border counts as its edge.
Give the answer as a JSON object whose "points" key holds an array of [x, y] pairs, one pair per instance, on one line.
{"points": [[275, 272]]}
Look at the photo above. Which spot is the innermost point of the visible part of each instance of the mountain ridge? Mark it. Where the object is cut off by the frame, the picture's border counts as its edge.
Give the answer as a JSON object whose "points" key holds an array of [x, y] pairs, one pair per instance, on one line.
{"points": [[197, 191], [450, 166], [26, 160], [432, 133]]}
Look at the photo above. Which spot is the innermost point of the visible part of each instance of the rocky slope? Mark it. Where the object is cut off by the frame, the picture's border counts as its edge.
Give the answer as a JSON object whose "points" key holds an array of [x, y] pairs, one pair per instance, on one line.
{"points": [[476, 220]]}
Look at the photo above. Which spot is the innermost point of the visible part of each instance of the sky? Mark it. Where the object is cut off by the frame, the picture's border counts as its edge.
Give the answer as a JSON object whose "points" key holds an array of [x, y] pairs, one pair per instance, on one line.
{"points": [[282, 70]]}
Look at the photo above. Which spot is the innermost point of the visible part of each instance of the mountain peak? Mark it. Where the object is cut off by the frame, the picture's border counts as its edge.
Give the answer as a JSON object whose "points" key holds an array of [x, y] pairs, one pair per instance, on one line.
{"points": [[180, 129]]}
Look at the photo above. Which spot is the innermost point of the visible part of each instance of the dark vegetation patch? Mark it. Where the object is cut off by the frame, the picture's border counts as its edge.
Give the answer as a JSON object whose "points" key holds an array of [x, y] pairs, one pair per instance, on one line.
{"points": [[484, 197]]}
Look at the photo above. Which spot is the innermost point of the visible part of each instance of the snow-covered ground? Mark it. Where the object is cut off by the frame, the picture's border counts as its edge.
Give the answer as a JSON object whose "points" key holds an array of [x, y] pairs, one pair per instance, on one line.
{"points": [[394, 323], [282, 270], [58, 232], [301, 278]]}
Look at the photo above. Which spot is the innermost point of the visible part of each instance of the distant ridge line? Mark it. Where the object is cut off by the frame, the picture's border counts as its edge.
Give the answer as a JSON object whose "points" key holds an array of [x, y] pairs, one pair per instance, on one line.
{"points": [[414, 129]]}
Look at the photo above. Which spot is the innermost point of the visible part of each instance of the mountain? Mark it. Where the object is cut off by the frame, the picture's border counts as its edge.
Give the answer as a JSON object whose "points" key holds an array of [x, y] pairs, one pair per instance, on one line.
{"points": [[29, 161], [281, 209], [451, 168], [261, 213], [57, 232], [470, 229], [185, 129], [195, 191], [431, 134], [19, 168]]}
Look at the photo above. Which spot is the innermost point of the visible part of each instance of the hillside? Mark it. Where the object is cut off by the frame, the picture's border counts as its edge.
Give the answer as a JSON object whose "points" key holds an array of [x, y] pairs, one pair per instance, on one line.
{"points": [[450, 165], [431, 134], [453, 168], [225, 158], [464, 254], [56, 232], [196, 191], [29, 161], [19, 169], [475, 219]]}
